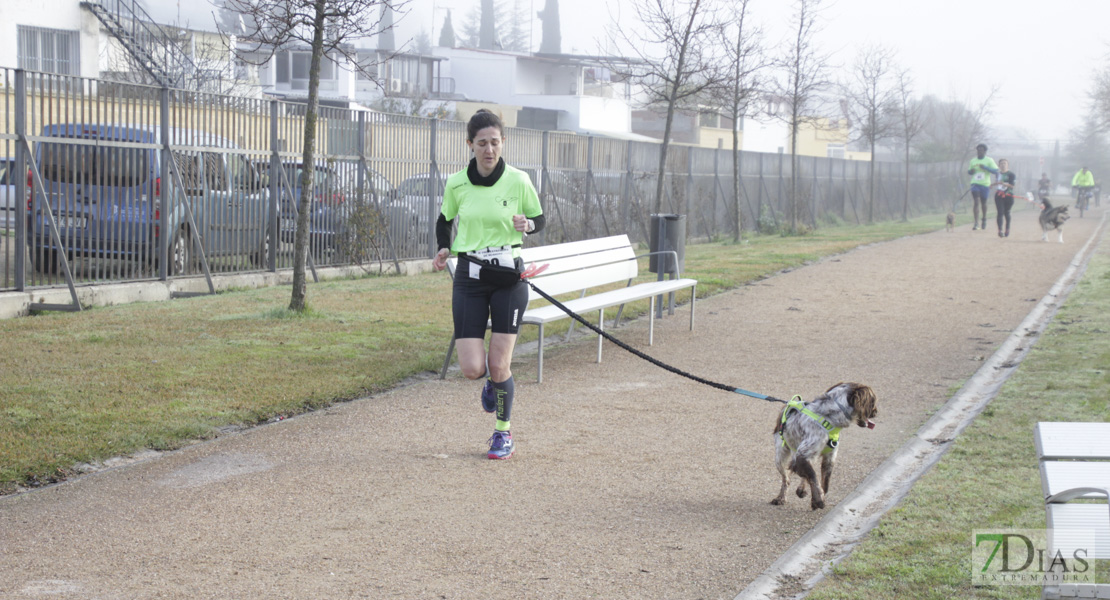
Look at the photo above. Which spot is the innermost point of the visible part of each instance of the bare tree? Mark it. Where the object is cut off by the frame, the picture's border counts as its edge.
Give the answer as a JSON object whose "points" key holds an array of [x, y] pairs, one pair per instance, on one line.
{"points": [[911, 122], [745, 59], [676, 62], [870, 94], [805, 78], [326, 27], [953, 127]]}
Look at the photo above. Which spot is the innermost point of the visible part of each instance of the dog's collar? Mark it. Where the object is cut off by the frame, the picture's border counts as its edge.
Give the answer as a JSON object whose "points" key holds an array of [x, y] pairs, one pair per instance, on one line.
{"points": [[847, 411]]}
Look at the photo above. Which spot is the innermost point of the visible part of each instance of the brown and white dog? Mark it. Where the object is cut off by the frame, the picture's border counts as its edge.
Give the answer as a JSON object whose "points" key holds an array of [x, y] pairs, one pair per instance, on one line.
{"points": [[800, 438]]}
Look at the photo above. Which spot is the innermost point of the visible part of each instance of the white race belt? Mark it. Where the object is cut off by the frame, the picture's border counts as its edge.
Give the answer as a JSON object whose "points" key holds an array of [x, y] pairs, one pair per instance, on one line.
{"points": [[494, 255]]}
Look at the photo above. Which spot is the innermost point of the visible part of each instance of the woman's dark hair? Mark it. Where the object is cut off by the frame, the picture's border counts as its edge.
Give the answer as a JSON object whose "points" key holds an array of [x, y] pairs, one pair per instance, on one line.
{"points": [[482, 119]]}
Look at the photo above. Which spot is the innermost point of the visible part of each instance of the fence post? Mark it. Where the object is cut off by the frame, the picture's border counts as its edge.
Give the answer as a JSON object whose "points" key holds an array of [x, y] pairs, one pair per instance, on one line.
{"points": [[626, 191], [433, 182], [759, 196], [21, 190], [716, 184], [816, 193], [163, 196], [545, 186], [589, 183], [274, 218], [689, 187]]}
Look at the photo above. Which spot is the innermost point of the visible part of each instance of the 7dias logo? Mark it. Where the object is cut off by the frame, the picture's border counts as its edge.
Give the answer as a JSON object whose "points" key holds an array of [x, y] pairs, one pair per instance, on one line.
{"points": [[1033, 556]]}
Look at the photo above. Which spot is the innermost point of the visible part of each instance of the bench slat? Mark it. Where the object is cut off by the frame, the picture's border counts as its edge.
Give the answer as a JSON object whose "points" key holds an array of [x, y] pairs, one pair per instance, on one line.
{"points": [[593, 302], [1081, 517], [1061, 440], [579, 261], [575, 281], [555, 251], [1058, 476]]}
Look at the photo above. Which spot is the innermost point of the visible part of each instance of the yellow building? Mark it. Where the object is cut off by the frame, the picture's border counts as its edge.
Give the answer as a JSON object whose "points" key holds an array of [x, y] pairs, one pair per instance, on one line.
{"points": [[827, 138]]}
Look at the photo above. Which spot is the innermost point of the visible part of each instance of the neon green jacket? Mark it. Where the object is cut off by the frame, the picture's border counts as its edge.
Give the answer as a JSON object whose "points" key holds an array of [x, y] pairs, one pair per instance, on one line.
{"points": [[1082, 179]]}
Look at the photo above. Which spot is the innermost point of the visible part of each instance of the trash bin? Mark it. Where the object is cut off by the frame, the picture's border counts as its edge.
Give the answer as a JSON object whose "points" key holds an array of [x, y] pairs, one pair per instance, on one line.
{"points": [[668, 232]]}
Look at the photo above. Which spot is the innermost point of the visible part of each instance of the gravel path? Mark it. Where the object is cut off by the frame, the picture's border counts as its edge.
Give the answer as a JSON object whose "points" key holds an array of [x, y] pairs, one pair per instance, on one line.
{"points": [[628, 482]]}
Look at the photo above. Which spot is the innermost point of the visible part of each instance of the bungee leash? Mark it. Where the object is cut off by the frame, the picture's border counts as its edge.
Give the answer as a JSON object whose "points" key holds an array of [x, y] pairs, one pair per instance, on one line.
{"points": [[533, 270]]}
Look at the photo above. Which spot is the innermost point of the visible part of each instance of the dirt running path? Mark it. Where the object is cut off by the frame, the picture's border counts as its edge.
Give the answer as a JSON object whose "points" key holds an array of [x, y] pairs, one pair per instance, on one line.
{"points": [[629, 482]]}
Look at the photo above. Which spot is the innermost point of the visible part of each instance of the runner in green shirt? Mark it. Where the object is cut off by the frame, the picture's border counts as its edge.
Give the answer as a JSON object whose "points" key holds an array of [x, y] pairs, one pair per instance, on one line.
{"points": [[496, 206], [980, 169]]}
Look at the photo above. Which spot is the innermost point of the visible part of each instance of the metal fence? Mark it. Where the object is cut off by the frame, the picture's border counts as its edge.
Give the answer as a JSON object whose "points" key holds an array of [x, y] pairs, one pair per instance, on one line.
{"points": [[107, 181]]}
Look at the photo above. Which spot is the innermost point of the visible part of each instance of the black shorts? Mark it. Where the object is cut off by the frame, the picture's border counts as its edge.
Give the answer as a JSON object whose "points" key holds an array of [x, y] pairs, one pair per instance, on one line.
{"points": [[474, 302]]}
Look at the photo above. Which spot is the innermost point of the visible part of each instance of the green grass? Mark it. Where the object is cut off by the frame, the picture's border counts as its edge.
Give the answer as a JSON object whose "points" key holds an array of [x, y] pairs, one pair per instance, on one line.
{"points": [[989, 479], [83, 387]]}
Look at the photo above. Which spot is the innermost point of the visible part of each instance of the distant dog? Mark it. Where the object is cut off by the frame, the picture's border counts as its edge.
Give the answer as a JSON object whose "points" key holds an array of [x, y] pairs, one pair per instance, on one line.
{"points": [[1052, 217], [806, 430], [950, 222]]}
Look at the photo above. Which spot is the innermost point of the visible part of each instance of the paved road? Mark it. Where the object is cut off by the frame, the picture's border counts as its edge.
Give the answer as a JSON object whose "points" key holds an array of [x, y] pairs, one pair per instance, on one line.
{"points": [[629, 482]]}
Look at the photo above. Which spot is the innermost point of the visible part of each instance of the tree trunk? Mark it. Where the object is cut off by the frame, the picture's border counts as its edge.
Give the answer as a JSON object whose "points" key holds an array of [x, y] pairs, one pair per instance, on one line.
{"points": [[661, 177], [736, 180], [672, 100], [300, 237]]}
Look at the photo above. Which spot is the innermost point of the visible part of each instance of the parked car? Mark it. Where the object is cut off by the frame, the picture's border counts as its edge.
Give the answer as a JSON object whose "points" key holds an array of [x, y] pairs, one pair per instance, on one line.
{"points": [[413, 210], [324, 216], [334, 199], [7, 193], [105, 197]]}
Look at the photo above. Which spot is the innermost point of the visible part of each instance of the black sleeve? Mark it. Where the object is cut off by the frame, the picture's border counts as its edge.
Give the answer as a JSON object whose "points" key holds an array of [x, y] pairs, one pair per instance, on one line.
{"points": [[443, 232], [539, 221]]}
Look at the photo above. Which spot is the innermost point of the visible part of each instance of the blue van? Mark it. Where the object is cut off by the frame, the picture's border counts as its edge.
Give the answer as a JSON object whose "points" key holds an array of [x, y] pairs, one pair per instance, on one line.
{"points": [[102, 183]]}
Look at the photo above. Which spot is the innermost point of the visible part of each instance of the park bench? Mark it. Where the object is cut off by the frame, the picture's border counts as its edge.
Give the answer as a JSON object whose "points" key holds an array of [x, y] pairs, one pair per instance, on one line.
{"points": [[1075, 479], [583, 267]]}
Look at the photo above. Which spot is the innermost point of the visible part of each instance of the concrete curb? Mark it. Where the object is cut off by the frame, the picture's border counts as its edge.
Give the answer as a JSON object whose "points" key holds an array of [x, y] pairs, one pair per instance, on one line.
{"points": [[17, 304], [805, 563]]}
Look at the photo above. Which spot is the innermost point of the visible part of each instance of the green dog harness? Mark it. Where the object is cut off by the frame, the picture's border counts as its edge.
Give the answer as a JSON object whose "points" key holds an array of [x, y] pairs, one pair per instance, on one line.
{"points": [[796, 404]]}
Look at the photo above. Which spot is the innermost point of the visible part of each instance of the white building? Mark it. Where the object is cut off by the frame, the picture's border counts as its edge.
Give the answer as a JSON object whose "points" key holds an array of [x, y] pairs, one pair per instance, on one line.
{"points": [[71, 37], [402, 75], [53, 36], [556, 92]]}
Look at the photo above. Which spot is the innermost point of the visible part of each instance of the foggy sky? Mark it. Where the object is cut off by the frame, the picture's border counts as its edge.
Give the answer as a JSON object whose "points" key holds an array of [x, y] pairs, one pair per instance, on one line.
{"points": [[1043, 55]]}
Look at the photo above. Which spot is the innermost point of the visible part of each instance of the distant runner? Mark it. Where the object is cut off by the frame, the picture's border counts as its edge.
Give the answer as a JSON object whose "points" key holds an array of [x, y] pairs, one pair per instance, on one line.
{"points": [[980, 169], [1004, 197]]}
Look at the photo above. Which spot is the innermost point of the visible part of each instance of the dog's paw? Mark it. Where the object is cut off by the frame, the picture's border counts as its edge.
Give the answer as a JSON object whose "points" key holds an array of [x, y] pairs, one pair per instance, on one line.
{"points": [[779, 501], [817, 504], [801, 492]]}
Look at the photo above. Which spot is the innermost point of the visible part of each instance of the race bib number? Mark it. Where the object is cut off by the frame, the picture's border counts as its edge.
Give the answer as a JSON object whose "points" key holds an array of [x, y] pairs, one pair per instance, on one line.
{"points": [[980, 177], [495, 255]]}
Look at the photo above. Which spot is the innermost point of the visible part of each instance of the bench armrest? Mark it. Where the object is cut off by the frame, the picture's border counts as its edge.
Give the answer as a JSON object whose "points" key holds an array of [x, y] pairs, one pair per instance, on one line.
{"points": [[673, 275], [1073, 493]]}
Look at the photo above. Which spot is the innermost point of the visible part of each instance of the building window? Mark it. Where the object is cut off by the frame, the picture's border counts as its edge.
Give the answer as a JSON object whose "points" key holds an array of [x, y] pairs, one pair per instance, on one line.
{"points": [[281, 62], [709, 119], [49, 50], [835, 151], [292, 69]]}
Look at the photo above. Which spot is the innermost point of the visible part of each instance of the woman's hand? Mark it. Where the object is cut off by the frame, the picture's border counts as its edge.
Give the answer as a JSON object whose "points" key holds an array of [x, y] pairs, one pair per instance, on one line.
{"points": [[520, 223], [439, 261]]}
